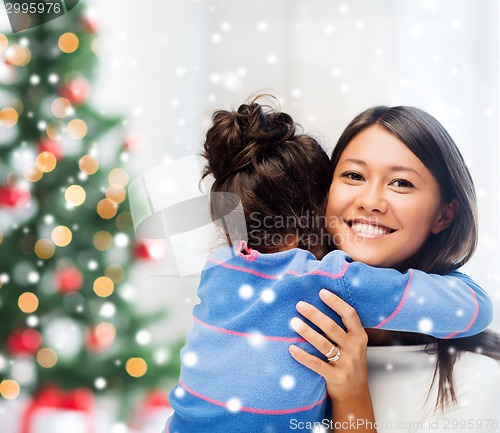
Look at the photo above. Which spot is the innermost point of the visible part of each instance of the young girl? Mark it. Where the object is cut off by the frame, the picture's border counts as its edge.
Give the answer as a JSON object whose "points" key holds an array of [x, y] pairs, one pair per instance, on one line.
{"points": [[237, 375], [399, 167]]}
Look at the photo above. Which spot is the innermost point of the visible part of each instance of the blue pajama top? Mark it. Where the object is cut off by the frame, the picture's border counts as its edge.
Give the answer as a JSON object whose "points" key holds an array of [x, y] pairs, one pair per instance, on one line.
{"points": [[237, 375]]}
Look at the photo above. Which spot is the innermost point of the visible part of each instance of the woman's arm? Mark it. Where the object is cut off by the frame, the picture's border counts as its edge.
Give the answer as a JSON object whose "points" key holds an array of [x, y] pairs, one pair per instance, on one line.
{"points": [[347, 376]]}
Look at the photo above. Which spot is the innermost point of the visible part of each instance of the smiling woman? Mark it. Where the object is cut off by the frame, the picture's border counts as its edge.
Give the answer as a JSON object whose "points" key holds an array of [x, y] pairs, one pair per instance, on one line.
{"points": [[402, 197], [379, 211]]}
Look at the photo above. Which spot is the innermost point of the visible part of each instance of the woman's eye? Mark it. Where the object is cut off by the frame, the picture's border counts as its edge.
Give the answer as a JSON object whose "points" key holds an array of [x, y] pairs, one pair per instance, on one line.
{"points": [[402, 183], [352, 175]]}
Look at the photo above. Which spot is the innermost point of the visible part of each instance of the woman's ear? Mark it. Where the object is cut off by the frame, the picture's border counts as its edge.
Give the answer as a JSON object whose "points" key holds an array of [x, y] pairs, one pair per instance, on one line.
{"points": [[446, 216]]}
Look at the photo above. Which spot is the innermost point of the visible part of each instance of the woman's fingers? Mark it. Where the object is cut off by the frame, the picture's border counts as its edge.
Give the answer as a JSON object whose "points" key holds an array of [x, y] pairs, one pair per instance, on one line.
{"points": [[310, 361], [331, 329], [307, 333], [347, 313]]}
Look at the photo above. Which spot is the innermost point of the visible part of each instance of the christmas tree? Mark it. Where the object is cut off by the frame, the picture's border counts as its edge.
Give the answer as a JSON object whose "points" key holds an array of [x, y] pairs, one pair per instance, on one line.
{"points": [[66, 238]]}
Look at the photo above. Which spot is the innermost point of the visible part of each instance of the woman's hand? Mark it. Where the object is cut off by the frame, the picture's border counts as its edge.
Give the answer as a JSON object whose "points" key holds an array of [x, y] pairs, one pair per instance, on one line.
{"points": [[347, 376]]}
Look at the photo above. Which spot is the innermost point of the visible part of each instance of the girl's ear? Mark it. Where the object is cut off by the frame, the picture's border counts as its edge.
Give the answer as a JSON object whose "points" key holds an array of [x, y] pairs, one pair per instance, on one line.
{"points": [[446, 217]]}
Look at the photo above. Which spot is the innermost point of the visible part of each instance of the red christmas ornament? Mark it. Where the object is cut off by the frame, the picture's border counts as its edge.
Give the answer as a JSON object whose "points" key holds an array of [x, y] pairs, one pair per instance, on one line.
{"points": [[89, 24], [22, 342], [69, 279], [157, 398], [11, 197], [45, 144], [76, 90], [99, 338], [148, 249], [132, 143]]}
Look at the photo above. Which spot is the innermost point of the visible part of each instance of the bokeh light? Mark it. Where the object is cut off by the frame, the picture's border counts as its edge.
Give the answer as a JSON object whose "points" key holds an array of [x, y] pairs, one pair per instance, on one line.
{"points": [[118, 176], [32, 173], [75, 195], [28, 302], [44, 249], [88, 164], [105, 334], [61, 236], [9, 389], [77, 129], [116, 193], [103, 287], [46, 357], [136, 367], [61, 108], [116, 273], [8, 117], [107, 208], [46, 162], [68, 43], [4, 42], [103, 240], [54, 130], [123, 221], [18, 55]]}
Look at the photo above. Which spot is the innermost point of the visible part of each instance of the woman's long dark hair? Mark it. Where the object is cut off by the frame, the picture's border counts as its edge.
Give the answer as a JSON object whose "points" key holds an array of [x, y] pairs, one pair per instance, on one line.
{"points": [[451, 248]]}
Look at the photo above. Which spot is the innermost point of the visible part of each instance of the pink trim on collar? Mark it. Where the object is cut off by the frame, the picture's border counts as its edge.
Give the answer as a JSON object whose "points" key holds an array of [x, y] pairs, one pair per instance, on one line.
{"points": [[245, 252]]}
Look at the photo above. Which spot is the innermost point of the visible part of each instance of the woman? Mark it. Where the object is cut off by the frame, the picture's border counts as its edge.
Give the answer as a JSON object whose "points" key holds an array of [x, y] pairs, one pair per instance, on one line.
{"points": [[402, 197]]}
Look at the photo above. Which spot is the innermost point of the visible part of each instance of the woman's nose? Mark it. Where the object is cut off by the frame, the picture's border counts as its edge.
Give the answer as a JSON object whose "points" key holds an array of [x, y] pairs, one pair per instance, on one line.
{"points": [[372, 199]]}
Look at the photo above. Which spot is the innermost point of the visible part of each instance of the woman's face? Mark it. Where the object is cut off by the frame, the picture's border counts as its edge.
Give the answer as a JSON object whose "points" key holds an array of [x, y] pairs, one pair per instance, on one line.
{"points": [[383, 203]]}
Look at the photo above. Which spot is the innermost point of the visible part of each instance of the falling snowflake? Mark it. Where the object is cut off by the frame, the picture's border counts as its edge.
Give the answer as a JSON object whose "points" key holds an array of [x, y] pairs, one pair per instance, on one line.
{"points": [[425, 325], [100, 383], [272, 59], [107, 310], [179, 392], [233, 405], [459, 313], [190, 359], [35, 79], [287, 382], [33, 277], [262, 26], [143, 337], [268, 296], [245, 291], [32, 321], [256, 339]]}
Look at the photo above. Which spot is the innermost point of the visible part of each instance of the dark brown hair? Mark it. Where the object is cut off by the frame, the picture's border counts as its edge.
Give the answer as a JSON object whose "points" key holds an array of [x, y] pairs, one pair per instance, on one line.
{"points": [[451, 248], [281, 176]]}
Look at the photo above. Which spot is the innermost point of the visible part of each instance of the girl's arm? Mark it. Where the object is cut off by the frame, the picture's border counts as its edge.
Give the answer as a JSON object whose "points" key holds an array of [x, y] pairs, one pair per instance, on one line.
{"points": [[347, 377], [444, 306]]}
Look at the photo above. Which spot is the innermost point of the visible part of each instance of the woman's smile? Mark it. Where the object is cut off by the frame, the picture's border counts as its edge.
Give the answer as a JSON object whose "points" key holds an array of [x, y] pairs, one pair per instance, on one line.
{"points": [[368, 229]]}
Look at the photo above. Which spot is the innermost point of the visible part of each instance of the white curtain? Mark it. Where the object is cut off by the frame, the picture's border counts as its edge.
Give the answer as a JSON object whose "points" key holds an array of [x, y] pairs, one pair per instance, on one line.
{"points": [[168, 64]]}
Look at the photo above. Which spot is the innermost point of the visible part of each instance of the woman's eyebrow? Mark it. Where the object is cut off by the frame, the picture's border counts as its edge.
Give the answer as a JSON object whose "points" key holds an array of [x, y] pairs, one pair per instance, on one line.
{"points": [[393, 168]]}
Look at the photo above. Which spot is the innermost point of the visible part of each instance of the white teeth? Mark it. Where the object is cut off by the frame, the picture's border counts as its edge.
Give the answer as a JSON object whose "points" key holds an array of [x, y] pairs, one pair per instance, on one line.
{"points": [[368, 229]]}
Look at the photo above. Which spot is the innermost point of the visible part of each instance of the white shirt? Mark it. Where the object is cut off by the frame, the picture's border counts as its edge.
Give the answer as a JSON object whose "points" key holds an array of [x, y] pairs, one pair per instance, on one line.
{"points": [[400, 378]]}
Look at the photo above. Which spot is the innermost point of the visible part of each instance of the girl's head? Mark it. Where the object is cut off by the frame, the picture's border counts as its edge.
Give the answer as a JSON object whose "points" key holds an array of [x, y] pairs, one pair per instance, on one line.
{"points": [[401, 195], [281, 177]]}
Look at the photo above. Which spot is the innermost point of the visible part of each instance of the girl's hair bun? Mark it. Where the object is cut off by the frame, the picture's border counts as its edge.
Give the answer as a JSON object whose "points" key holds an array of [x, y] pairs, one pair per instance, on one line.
{"points": [[238, 140]]}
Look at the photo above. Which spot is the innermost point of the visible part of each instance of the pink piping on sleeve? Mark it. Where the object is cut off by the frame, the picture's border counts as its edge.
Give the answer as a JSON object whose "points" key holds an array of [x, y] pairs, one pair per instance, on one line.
{"points": [[474, 316], [401, 303]]}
